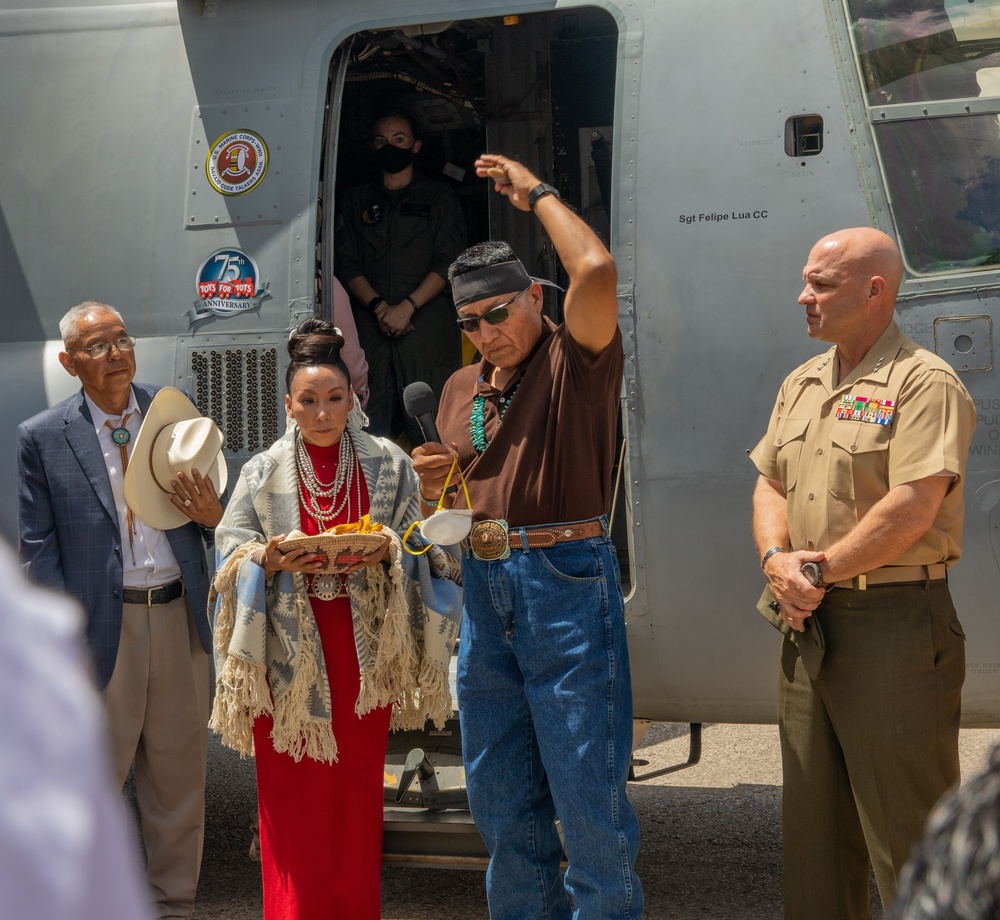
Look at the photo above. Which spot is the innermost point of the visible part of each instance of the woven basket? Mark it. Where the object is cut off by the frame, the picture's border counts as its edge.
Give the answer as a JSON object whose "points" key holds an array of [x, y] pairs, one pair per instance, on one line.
{"points": [[342, 550]]}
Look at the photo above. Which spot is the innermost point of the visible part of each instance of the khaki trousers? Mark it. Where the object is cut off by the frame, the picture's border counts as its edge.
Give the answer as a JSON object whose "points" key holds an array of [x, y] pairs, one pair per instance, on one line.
{"points": [[156, 705], [869, 746]]}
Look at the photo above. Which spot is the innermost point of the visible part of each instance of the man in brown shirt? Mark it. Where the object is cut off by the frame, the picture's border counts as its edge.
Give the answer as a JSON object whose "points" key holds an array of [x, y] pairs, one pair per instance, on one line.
{"points": [[857, 513], [543, 682]]}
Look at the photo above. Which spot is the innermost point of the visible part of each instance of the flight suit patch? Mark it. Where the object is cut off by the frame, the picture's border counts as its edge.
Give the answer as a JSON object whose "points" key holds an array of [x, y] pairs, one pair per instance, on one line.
{"points": [[862, 409], [372, 214], [415, 210]]}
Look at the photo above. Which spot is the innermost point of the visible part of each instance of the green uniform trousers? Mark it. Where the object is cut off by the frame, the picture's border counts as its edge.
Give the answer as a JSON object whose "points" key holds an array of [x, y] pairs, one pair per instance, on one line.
{"points": [[868, 745]]}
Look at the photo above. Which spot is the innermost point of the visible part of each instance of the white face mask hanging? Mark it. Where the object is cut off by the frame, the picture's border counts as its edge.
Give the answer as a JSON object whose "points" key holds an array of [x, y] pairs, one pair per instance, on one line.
{"points": [[446, 526]]}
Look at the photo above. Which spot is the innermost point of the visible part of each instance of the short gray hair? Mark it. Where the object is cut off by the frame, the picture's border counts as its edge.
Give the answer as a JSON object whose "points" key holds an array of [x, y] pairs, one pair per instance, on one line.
{"points": [[69, 325]]}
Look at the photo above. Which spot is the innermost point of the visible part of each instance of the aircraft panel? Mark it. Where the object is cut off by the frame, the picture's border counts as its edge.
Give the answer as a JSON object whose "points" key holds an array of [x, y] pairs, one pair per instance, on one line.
{"points": [[709, 218]]}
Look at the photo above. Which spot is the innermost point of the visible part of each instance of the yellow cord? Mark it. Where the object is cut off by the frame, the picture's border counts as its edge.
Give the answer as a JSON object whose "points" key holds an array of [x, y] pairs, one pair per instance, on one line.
{"points": [[440, 505]]}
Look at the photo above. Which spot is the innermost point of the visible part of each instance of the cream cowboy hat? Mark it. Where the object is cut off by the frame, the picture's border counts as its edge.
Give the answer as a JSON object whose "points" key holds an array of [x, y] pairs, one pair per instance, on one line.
{"points": [[174, 438]]}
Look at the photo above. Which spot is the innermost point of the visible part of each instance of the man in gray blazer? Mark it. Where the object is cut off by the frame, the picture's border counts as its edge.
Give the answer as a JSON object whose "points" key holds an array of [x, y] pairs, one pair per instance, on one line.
{"points": [[144, 590]]}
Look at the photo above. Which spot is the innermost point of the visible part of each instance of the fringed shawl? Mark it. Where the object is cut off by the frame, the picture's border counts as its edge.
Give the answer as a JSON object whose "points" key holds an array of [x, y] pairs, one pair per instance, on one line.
{"points": [[267, 646]]}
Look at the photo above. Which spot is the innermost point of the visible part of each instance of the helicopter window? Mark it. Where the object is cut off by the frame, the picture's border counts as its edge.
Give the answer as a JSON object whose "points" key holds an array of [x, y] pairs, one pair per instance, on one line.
{"points": [[920, 50], [943, 176], [931, 71]]}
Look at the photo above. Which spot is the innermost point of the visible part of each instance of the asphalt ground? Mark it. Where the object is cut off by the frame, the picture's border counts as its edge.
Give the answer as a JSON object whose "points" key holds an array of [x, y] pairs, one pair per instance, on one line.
{"points": [[711, 838]]}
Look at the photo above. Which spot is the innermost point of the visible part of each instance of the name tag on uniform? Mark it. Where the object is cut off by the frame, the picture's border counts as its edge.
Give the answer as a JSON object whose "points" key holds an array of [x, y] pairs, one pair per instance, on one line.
{"points": [[415, 210], [862, 409]]}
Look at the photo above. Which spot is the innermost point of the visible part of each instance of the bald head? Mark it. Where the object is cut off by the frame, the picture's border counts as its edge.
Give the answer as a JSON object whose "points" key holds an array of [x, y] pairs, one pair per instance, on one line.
{"points": [[865, 251], [851, 282]]}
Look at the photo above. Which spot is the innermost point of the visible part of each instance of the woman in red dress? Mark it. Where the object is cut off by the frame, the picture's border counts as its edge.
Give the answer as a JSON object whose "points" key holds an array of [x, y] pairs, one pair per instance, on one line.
{"points": [[314, 662]]}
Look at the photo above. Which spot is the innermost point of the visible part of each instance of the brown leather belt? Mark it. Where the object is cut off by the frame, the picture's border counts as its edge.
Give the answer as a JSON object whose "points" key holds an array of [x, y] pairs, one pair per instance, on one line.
{"points": [[154, 597], [491, 540], [895, 575]]}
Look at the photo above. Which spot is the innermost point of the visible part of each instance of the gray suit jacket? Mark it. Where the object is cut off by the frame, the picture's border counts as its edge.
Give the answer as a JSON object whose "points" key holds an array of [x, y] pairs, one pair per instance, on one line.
{"points": [[68, 526]]}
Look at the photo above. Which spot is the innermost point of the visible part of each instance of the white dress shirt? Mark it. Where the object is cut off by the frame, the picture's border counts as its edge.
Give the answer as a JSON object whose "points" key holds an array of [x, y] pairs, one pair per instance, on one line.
{"points": [[154, 563]]}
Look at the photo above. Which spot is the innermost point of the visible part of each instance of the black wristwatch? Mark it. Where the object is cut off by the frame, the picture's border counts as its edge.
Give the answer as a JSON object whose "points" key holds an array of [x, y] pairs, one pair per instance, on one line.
{"points": [[375, 301], [813, 574], [540, 191]]}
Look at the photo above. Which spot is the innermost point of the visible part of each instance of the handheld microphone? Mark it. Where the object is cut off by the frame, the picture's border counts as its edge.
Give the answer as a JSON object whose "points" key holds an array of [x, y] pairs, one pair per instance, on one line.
{"points": [[421, 404]]}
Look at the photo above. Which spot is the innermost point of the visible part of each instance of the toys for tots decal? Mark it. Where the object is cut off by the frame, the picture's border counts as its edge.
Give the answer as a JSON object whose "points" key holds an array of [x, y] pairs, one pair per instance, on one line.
{"points": [[227, 285], [237, 162]]}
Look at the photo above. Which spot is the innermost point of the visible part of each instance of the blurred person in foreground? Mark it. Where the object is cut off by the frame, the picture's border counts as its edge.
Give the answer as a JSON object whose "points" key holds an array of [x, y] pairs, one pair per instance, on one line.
{"points": [[954, 872], [68, 850], [315, 666]]}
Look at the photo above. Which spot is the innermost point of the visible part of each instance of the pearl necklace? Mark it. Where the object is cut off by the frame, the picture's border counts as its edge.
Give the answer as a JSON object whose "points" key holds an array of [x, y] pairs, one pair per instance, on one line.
{"points": [[477, 418], [313, 489]]}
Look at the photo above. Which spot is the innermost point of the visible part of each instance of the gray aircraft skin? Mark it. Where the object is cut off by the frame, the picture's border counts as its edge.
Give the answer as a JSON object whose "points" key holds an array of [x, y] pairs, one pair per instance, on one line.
{"points": [[181, 160]]}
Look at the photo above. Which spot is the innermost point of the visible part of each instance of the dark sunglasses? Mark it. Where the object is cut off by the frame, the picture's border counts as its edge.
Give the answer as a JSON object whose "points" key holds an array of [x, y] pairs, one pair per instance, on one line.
{"points": [[494, 317]]}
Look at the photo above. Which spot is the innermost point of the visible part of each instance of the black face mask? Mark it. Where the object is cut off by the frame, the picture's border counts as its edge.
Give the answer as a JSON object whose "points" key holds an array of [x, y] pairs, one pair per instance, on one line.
{"points": [[392, 159]]}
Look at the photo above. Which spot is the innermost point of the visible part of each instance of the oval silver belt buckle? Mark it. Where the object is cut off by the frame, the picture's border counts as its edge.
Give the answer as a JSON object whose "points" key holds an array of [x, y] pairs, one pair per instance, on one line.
{"points": [[489, 541]]}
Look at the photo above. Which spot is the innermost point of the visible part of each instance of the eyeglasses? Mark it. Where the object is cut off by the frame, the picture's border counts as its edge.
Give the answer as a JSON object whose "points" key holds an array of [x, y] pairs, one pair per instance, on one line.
{"points": [[470, 324], [123, 343]]}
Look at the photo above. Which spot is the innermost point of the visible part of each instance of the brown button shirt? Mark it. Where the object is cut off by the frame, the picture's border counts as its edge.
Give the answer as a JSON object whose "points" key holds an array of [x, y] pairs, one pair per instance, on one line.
{"points": [[904, 415], [549, 459]]}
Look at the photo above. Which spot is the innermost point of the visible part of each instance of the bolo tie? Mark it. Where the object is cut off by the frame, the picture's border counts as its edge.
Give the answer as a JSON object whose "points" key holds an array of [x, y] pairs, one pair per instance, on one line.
{"points": [[120, 436]]}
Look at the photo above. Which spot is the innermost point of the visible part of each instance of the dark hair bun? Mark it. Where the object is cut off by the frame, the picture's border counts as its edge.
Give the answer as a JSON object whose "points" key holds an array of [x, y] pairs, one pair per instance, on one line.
{"points": [[315, 341]]}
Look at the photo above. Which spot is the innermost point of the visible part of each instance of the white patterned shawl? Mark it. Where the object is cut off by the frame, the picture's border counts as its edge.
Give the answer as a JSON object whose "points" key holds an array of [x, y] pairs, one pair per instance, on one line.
{"points": [[267, 646]]}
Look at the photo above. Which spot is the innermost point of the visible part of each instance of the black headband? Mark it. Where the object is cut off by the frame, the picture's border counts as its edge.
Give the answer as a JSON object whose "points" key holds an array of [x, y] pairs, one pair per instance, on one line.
{"points": [[489, 281]]}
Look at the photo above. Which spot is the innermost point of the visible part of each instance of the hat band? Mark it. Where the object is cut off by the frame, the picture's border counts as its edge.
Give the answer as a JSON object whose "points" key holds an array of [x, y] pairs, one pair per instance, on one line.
{"points": [[489, 281]]}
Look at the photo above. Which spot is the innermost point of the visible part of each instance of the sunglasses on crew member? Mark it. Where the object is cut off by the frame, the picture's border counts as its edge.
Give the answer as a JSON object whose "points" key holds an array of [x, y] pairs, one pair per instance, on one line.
{"points": [[494, 317]]}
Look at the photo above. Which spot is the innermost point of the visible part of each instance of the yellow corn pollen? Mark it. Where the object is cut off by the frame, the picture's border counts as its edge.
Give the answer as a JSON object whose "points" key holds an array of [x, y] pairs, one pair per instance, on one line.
{"points": [[364, 525]]}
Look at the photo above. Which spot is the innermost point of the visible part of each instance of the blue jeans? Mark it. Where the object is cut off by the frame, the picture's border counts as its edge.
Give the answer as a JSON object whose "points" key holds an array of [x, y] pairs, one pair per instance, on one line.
{"points": [[545, 702]]}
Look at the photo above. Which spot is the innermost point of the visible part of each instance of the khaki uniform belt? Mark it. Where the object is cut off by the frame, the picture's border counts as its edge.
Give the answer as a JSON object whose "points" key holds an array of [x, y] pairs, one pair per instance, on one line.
{"points": [[895, 575]]}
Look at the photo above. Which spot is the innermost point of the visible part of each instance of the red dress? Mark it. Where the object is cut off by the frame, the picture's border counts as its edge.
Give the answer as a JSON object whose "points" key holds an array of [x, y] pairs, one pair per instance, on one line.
{"points": [[321, 824]]}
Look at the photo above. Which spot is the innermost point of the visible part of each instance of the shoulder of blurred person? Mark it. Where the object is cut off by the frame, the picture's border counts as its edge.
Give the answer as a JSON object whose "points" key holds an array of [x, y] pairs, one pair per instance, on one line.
{"points": [[954, 871], [68, 849]]}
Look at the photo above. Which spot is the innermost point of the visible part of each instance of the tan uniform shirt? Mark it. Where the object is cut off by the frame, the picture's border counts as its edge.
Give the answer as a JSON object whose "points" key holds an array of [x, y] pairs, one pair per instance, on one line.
{"points": [[836, 448]]}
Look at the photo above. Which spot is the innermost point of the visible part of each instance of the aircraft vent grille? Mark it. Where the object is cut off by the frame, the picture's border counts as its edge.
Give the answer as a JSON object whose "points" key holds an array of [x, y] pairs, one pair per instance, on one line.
{"points": [[238, 389]]}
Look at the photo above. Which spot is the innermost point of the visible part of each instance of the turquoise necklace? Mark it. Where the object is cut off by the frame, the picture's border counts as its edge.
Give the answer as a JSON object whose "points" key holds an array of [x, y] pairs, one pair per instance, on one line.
{"points": [[477, 419]]}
